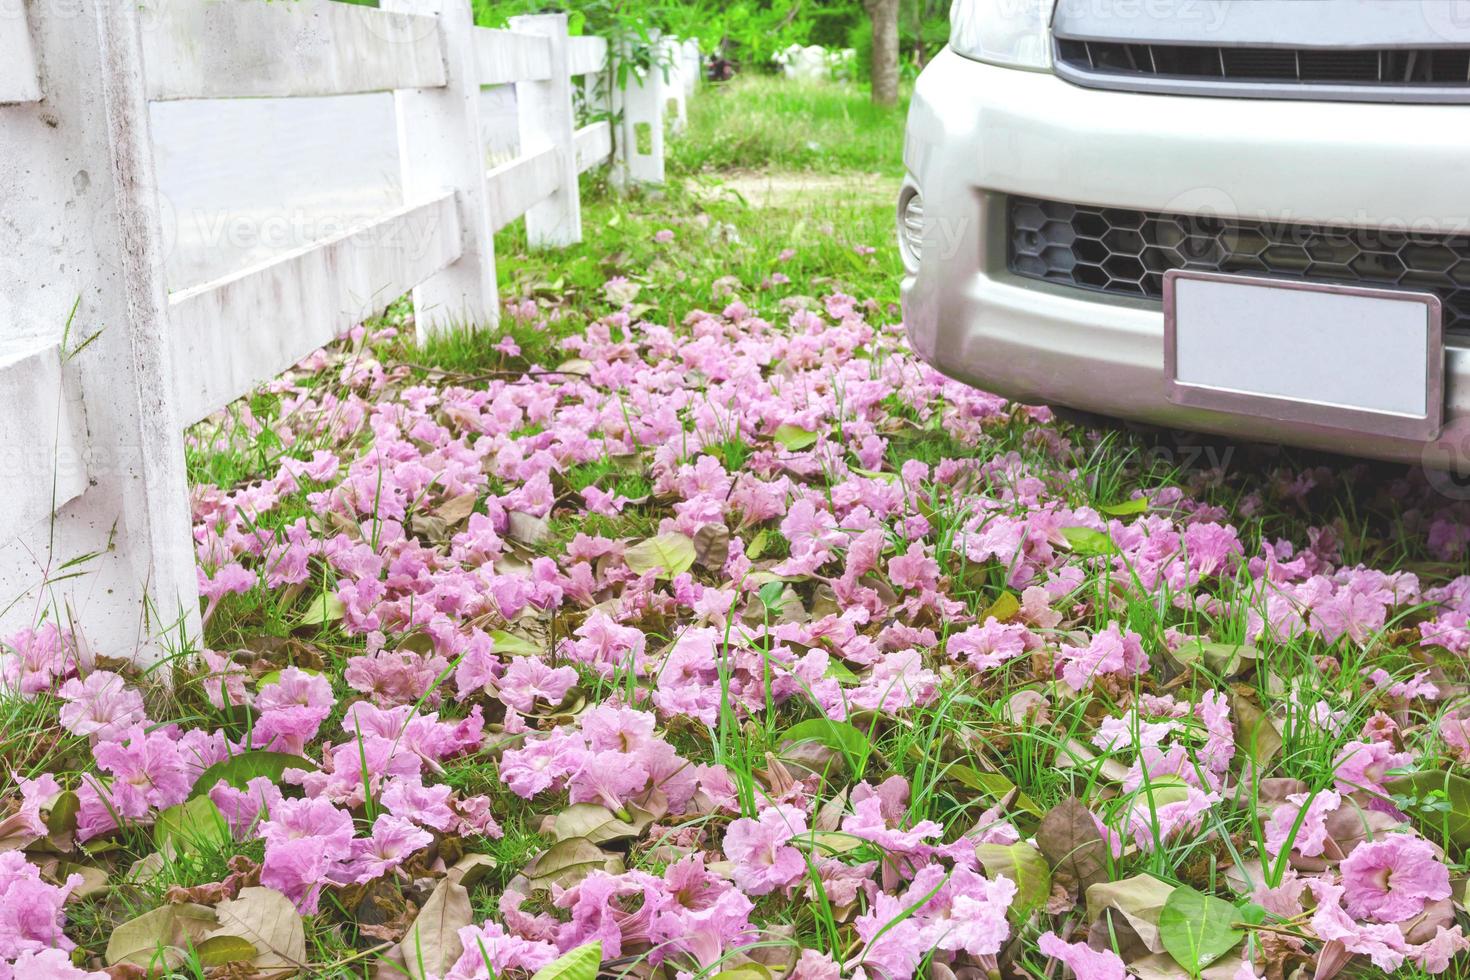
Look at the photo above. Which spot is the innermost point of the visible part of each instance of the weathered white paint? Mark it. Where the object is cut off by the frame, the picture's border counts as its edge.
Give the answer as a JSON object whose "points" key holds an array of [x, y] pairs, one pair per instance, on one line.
{"points": [[504, 57], [594, 145], [638, 109], [82, 233], [586, 54], [219, 50], [673, 87], [231, 334], [693, 66], [439, 147], [42, 436], [19, 78], [516, 185], [546, 120]]}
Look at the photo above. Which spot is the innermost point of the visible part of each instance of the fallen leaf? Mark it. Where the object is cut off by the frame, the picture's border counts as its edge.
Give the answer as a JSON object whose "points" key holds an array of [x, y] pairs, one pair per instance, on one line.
{"points": [[1069, 838], [432, 944], [1197, 929], [526, 529], [667, 554], [512, 645], [239, 769], [456, 509], [1024, 865], [577, 964], [712, 546], [158, 937], [567, 862], [595, 823], [1138, 900], [1255, 734], [268, 921], [794, 437], [219, 950], [195, 825]]}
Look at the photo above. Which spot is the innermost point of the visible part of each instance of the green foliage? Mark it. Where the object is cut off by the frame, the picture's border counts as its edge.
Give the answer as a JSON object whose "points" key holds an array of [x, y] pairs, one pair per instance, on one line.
{"points": [[749, 32]]}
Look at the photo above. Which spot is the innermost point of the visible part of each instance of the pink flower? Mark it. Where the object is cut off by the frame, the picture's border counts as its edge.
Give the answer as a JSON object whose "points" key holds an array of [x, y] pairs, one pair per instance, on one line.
{"points": [[1153, 826], [1309, 838], [914, 569], [242, 808], [148, 771], [428, 806], [48, 964], [1454, 729], [1085, 962], [1110, 652], [978, 922], [396, 676], [1219, 748], [761, 851], [528, 678], [489, 951], [30, 908], [224, 680], [992, 644], [542, 764], [610, 777], [307, 846], [36, 795], [392, 841], [32, 661], [1383, 944], [102, 705], [1365, 766], [663, 236], [291, 710], [1435, 955], [1391, 879]]}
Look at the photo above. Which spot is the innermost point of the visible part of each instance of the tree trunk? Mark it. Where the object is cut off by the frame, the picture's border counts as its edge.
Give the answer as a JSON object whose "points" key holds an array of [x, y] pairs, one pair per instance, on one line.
{"points": [[885, 50]]}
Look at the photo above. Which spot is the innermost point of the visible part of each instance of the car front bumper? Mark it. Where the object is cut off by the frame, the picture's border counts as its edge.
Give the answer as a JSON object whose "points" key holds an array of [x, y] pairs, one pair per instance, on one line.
{"points": [[979, 133]]}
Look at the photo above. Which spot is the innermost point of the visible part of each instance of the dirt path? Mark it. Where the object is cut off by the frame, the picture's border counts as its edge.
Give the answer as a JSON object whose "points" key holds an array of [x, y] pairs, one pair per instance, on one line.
{"points": [[776, 189]]}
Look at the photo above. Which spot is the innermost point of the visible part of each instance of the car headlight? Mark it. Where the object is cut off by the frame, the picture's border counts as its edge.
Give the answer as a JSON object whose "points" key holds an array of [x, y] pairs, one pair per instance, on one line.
{"points": [[1013, 33]]}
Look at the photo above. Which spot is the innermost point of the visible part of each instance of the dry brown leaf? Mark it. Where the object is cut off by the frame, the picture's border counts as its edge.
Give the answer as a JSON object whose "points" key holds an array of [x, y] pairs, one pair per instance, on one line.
{"points": [[457, 509], [432, 944], [1074, 848], [526, 529], [266, 919], [567, 862], [712, 546], [1132, 904]]}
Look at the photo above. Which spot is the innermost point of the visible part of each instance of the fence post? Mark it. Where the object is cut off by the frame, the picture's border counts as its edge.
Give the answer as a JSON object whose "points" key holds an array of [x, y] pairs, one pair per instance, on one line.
{"points": [[638, 118], [670, 68], [85, 271], [545, 116], [693, 66], [440, 145]]}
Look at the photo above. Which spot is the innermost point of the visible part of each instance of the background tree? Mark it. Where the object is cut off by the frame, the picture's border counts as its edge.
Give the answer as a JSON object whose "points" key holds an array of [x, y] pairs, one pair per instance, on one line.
{"points": [[892, 38], [884, 57]]}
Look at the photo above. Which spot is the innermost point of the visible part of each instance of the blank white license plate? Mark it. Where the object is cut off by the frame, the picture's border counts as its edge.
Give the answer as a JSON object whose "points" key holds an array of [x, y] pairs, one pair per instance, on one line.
{"points": [[1342, 356]]}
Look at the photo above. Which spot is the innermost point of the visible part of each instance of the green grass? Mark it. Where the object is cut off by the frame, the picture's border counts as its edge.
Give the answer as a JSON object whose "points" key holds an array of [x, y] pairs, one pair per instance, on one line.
{"points": [[763, 122]]}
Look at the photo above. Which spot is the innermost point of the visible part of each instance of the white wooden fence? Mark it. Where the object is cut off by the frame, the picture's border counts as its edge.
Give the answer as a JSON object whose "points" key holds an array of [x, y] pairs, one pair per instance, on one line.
{"points": [[101, 369]]}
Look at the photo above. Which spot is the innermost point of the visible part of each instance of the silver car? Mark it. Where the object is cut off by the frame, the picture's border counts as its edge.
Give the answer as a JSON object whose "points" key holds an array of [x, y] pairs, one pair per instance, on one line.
{"points": [[1247, 217]]}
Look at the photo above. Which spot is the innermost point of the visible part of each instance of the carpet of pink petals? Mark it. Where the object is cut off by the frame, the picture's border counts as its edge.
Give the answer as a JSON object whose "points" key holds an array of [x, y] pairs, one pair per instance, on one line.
{"points": [[625, 682]]}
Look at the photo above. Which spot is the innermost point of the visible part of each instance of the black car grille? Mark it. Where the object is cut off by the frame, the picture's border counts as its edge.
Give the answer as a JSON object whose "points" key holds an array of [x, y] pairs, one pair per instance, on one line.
{"points": [[1126, 253], [1344, 66]]}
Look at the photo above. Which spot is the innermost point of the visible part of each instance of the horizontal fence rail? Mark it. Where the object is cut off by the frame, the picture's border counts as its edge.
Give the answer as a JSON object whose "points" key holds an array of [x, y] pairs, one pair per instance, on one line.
{"points": [[211, 50], [101, 369]]}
